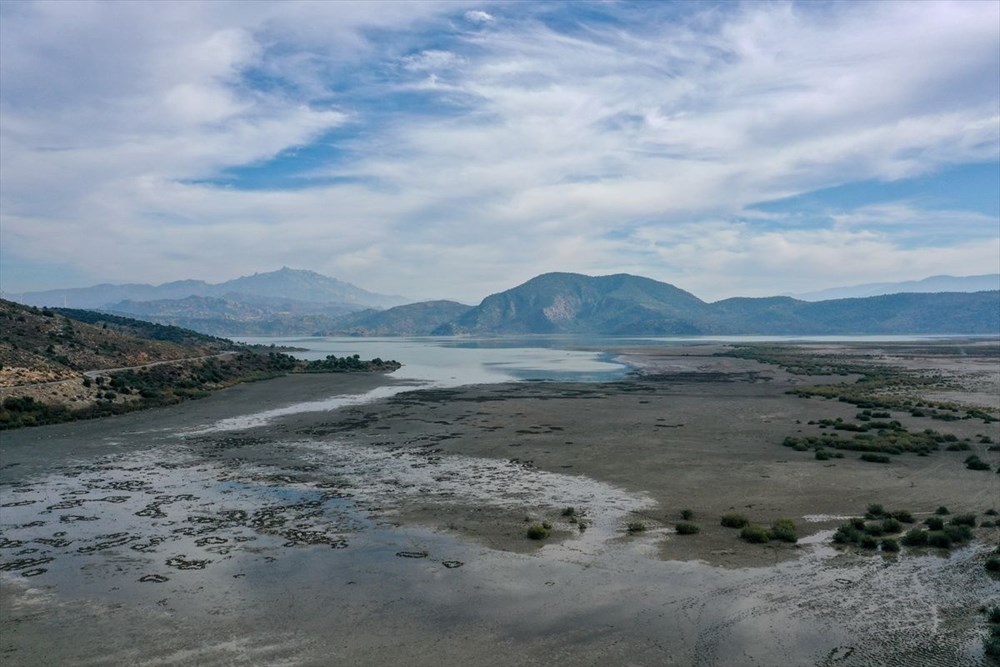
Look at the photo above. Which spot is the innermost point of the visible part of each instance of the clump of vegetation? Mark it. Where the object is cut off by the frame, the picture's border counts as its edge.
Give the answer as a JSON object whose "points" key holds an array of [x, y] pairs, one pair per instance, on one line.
{"points": [[537, 531], [687, 515], [847, 534], [875, 511], [934, 523], [784, 530], [963, 520], [868, 542], [874, 529], [733, 520], [569, 511], [939, 539], [755, 534], [334, 364], [915, 538], [992, 564], [890, 545], [903, 516], [942, 510], [891, 526], [975, 463], [686, 528], [635, 527], [875, 458]]}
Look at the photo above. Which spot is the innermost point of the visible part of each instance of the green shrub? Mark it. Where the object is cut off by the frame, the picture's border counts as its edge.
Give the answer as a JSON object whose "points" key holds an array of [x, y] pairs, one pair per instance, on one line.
{"points": [[903, 516], [569, 511], [975, 463], [822, 455], [875, 458], [846, 534], [875, 511], [537, 531], [685, 528], [874, 529], [784, 531], [992, 564], [938, 539], [857, 522], [889, 545], [991, 512], [991, 645], [964, 520], [868, 542], [636, 527], [958, 533], [733, 520], [891, 526], [915, 538], [942, 510], [687, 515], [755, 534], [993, 615], [934, 522]]}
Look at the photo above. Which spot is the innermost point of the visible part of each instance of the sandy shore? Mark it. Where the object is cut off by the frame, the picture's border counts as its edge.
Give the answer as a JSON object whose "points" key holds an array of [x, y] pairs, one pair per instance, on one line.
{"points": [[393, 531]]}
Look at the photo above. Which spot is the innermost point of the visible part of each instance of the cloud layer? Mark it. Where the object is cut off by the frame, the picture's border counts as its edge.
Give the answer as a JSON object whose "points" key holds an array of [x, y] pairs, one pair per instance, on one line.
{"points": [[450, 149]]}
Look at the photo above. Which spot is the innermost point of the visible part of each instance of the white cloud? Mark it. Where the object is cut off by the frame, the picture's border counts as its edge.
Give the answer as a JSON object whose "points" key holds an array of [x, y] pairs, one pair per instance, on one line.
{"points": [[478, 16], [601, 149]]}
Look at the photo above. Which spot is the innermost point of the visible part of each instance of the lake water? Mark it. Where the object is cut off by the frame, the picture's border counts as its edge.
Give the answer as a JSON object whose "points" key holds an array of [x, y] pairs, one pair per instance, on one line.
{"points": [[459, 360]]}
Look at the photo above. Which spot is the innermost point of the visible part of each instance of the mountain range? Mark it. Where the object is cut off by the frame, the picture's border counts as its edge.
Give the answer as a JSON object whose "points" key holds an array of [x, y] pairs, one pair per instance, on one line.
{"points": [[989, 281], [291, 302], [287, 284], [630, 305]]}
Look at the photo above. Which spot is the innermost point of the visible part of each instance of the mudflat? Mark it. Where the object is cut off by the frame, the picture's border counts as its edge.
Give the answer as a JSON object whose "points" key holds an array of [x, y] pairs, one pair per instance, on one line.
{"points": [[391, 527]]}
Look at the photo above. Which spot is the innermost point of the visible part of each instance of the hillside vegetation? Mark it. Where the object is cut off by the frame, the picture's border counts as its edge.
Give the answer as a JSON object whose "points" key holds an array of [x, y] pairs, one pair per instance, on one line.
{"points": [[60, 364]]}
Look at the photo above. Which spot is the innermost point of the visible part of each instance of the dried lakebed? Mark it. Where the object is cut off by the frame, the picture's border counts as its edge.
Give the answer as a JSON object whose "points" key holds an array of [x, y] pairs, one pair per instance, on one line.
{"points": [[394, 533]]}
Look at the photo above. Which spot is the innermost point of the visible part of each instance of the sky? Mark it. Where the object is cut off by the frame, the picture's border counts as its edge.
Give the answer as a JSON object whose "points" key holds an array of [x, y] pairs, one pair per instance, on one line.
{"points": [[456, 149]]}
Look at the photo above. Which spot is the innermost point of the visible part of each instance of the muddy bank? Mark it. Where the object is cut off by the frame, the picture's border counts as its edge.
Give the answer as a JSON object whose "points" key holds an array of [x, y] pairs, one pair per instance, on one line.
{"points": [[395, 531]]}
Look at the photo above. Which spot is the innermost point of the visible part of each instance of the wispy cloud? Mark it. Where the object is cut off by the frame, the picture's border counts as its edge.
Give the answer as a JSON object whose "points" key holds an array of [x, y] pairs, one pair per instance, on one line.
{"points": [[467, 147]]}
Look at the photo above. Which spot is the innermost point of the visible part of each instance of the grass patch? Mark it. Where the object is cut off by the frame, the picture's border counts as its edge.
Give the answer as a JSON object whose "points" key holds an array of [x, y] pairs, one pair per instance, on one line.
{"points": [[635, 527], [733, 520], [685, 528]]}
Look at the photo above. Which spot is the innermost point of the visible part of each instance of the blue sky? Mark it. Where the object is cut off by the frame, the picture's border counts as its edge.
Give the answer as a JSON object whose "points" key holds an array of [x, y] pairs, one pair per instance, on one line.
{"points": [[455, 149]]}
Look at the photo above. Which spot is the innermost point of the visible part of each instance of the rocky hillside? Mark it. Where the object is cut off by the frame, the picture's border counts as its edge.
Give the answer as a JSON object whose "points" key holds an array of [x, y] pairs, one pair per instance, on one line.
{"points": [[632, 305], [39, 345]]}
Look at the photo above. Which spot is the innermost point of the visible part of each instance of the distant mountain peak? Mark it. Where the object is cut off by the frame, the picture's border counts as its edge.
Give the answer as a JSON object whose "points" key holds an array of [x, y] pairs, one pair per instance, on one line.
{"points": [[287, 283], [939, 283]]}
